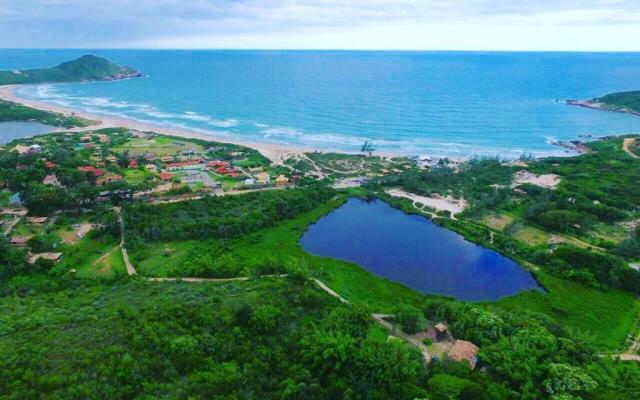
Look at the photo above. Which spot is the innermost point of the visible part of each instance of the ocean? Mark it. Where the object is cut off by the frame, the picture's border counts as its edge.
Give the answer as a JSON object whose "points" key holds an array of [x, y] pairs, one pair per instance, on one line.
{"points": [[435, 103]]}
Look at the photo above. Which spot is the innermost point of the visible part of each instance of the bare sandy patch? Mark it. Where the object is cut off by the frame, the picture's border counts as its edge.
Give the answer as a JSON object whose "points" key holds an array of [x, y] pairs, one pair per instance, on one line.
{"points": [[440, 203], [78, 232], [549, 181], [627, 145]]}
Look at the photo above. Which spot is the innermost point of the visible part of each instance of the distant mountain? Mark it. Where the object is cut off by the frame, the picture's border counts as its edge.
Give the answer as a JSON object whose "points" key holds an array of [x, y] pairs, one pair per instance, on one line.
{"points": [[84, 69]]}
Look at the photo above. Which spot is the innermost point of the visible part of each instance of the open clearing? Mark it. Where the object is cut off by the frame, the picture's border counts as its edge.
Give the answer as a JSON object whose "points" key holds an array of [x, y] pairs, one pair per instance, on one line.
{"points": [[446, 203]]}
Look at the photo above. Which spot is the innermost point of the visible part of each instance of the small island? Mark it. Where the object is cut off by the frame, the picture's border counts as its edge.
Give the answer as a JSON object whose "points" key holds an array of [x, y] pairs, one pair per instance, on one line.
{"points": [[624, 102], [84, 69]]}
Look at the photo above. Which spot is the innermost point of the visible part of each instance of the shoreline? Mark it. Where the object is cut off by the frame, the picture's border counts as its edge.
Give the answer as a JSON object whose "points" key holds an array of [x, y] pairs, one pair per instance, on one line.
{"points": [[595, 105], [275, 152]]}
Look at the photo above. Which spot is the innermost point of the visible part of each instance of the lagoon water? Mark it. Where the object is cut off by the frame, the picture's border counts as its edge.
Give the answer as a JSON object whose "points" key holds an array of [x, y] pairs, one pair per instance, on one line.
{"points": [[414, 251], [438, 103], [15, 130]]}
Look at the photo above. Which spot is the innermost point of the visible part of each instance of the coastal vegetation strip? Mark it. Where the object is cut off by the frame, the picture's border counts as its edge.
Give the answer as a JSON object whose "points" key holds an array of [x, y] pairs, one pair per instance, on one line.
{"points": [[10, 111]]}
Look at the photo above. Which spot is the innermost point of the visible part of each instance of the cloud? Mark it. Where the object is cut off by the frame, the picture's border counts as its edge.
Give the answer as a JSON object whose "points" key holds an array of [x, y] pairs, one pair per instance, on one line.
{"points": [[166, 23]]}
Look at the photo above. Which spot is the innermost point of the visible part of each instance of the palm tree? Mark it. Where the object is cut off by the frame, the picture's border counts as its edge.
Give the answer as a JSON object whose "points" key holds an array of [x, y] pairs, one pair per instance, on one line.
{"points": [[367, 147]]}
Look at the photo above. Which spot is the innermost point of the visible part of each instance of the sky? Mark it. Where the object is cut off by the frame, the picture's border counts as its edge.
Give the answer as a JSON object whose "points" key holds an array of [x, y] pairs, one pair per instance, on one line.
{"points": [[528, 25]]}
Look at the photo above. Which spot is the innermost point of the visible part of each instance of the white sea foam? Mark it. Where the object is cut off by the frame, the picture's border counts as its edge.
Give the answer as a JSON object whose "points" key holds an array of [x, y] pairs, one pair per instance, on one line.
{"points": [[281, 131], [224, 123]]}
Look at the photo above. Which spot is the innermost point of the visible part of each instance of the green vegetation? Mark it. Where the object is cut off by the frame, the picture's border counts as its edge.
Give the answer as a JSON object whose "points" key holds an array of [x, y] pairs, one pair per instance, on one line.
{"points": [[264, 339], [16, 112], [85, 68], [621, 101], [602, 318], [85, 329], [596, 189]]}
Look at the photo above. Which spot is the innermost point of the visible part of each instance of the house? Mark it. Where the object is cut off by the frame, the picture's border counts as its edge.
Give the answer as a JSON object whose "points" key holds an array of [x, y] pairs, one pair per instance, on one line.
{"points": [[13, 212], [442, 332], [51, 180], [103, 138], [34, 148], [91, 169], [151, 167], [263, 178], [86, 168], [281, 180], [55, 257], [37, 220], [16, 200], [249, 182], [133, 164], [464, 350], [49, 165], [217, 164], [89, 145], [85, 139], [166, 159], [166, 176], [112, 177], [20, 241]]}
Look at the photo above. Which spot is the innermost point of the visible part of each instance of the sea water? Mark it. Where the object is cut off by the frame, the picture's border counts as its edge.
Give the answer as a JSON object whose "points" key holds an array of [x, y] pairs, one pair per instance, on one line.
{"points": [[434, 103]]}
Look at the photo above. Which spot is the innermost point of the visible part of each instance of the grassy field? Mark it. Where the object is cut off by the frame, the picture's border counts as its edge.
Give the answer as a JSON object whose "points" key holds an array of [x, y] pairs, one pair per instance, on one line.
{"points": [[136, 176], [93, 258], [604, 318], [159, 145]]}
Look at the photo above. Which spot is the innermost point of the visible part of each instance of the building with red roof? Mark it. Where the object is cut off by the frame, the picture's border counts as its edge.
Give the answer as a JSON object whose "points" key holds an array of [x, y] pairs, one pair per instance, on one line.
{"points": [[166, 176]]}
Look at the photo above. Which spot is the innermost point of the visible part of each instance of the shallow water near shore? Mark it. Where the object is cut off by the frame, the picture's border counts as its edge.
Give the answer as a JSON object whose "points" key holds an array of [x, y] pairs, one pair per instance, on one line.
{"points": [[17, 130], [416, 252], [437, 103]]}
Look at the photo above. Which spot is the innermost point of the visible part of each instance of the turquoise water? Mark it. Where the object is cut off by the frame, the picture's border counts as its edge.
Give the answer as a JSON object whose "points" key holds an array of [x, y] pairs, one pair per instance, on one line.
{"points": [[437, 103], [16, 130], [414, 251]]}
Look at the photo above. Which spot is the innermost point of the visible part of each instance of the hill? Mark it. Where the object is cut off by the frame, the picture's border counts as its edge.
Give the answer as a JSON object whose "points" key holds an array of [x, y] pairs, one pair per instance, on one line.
{"points": [[83, 69], [626, 102]]}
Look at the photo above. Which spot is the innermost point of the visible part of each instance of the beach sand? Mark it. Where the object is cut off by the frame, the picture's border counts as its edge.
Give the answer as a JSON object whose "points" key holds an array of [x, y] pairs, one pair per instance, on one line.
{"points": [[275, 152]]}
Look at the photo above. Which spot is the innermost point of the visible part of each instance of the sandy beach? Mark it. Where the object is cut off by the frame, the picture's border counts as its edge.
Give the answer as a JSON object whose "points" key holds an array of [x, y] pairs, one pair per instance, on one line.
{"points": [[274, 152]]}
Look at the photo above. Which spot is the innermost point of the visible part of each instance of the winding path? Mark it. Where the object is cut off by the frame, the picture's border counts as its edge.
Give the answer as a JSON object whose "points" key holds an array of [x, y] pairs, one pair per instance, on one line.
{"points": [[379, 318], [626, 146]]}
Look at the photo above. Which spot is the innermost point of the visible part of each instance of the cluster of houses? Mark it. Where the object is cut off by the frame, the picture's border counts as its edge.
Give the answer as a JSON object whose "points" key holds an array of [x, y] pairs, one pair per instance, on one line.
{"points": [[455, 349], [16, 215]]}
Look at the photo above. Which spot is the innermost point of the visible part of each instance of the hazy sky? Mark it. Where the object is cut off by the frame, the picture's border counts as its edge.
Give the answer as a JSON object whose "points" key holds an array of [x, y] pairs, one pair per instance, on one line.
{"points": [[599, 25]]}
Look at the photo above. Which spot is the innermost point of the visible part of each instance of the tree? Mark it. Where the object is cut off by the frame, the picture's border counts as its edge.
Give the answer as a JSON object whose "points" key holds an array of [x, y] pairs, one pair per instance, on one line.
{"points": [[410, 319], [566, 379]]}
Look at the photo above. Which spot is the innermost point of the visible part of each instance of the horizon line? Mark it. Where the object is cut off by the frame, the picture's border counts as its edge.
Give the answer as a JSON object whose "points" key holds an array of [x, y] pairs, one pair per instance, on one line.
{"points": [[322, 50]]}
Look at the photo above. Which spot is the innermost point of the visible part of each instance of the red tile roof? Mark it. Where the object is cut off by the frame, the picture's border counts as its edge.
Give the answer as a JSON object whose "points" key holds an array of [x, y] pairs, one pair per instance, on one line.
{"points": [[165, 176]]}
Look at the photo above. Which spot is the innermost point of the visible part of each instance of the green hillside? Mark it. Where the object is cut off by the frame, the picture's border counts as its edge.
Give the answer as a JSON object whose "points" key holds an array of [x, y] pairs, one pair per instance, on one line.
{"points": [[622, 100], [85, 68]]}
